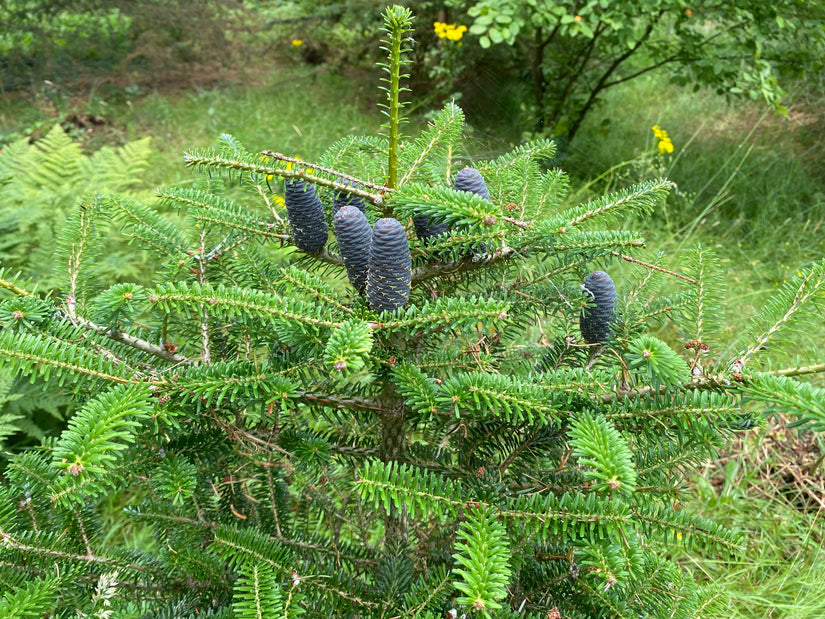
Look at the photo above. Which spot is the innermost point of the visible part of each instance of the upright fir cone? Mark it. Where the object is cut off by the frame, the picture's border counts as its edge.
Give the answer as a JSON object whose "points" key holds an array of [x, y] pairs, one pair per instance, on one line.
{"points": [[427, 230], [470, 179], [594, 321], [354, 236], [306, 216], [390, 269], [342, 198]]}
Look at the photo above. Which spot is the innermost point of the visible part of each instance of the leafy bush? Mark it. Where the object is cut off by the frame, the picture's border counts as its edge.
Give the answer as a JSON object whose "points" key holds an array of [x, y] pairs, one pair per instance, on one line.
{"points": [[572, 52], [295, 451]]}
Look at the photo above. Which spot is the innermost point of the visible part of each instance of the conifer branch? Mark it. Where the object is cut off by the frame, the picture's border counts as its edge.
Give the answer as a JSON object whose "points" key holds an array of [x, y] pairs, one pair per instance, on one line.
{"points": [[14, 288], [133, 342], [116, 335], [336, 173], [9, 541], [194, 159], [817, 368], [653, 267], [334, 401], [796, 297], [222, 539]]}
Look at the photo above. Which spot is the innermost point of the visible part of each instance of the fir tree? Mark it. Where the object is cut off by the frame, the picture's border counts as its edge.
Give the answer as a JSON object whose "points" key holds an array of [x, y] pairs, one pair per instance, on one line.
{"points": [[285, 444]]}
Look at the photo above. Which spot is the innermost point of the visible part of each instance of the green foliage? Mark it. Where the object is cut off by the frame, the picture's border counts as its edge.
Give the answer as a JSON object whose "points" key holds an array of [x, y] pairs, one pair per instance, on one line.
{"points": [[483, 556], [42, 183], [282, 448], [597, 444], [577, 51]]}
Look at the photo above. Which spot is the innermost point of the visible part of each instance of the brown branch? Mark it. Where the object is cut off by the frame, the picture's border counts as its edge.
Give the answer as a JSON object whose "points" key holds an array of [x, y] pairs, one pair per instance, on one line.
{"points": [[654, 267], [459, 266], [338, 402], [675, 57], [131, 341], [600, 85]]}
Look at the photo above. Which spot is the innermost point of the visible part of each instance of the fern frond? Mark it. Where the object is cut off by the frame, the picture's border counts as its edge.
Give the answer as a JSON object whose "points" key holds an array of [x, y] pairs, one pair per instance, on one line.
{"points": [[114, 169]]}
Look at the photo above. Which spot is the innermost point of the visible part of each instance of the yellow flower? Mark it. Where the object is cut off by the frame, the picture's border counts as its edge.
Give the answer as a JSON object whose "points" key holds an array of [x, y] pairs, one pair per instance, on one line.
{"points": [[665, 144], [449, 31], [297, 42]]}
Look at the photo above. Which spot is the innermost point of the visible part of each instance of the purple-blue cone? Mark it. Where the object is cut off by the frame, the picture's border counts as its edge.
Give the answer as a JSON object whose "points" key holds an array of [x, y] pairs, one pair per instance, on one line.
{"points": [[595, 319], [354, 235], [390, 269], [427, 230], [342, 198], [306, 216], [471, 180]]}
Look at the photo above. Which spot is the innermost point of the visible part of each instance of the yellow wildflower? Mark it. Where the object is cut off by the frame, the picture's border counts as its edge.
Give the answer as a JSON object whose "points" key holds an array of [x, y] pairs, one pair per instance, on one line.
{"points": [[297, 42], [449, 31], [665, 144]]}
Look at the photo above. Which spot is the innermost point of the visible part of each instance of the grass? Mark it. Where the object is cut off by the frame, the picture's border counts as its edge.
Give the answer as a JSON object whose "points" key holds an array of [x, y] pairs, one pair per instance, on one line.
{"points": [[749, 185], [296, 111], [770, 483]]}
